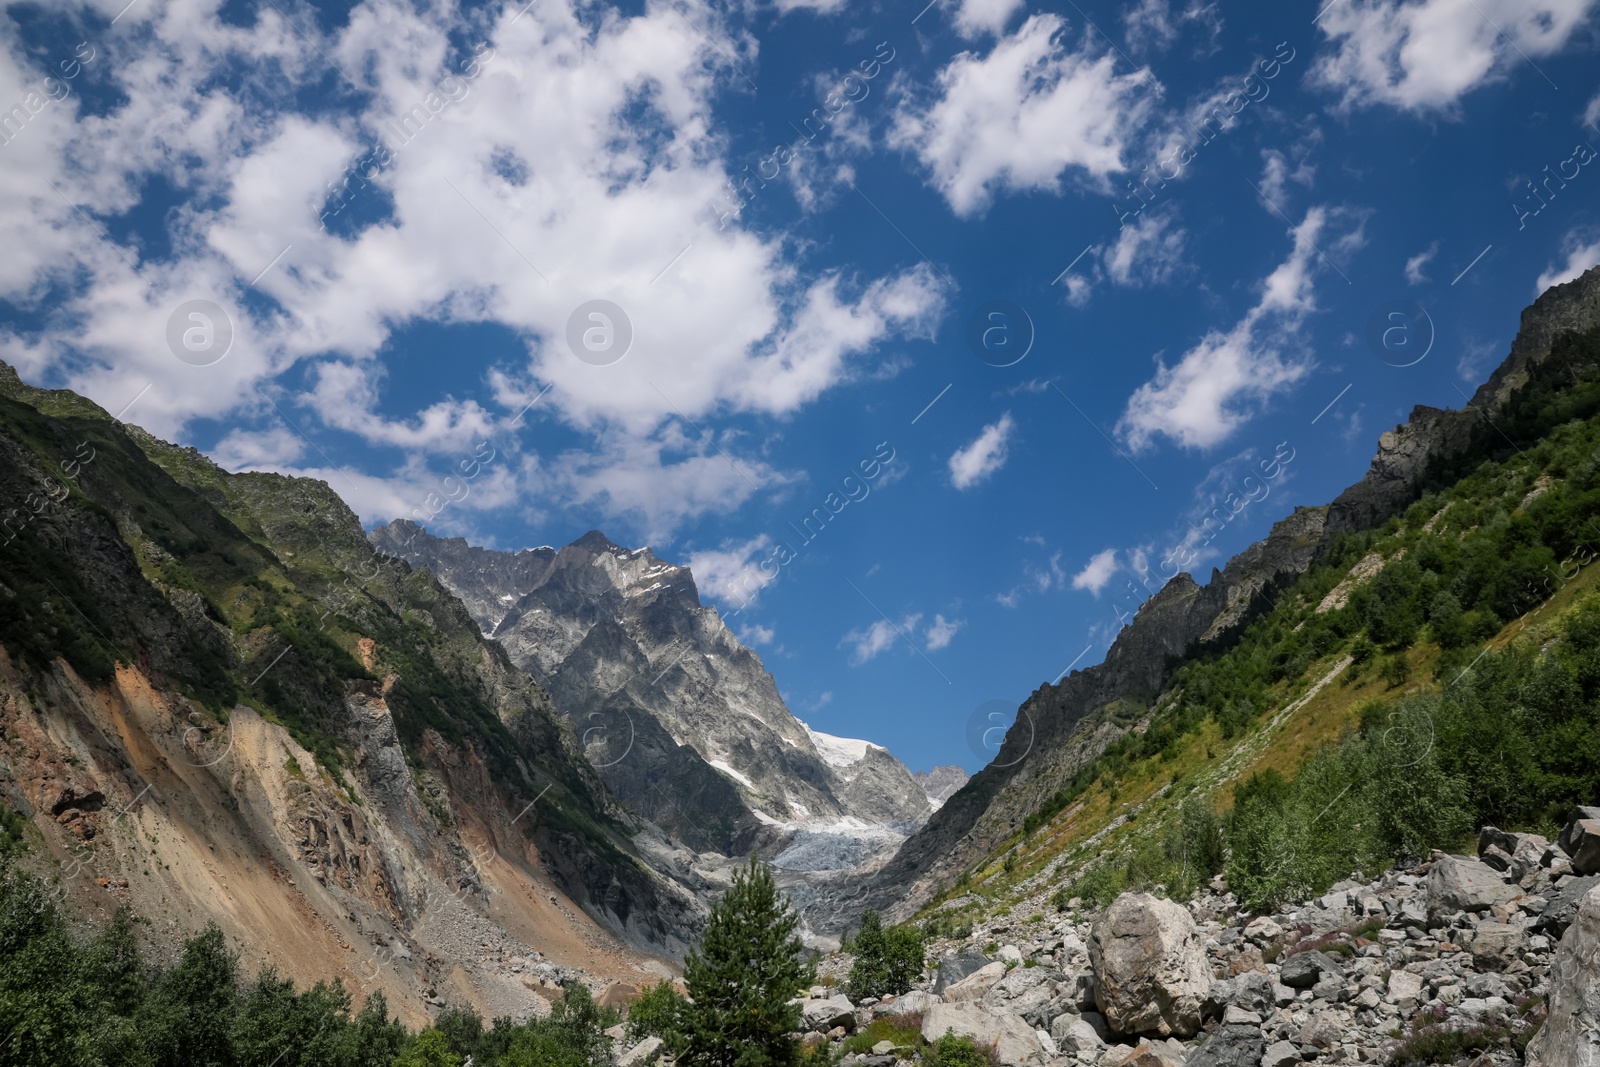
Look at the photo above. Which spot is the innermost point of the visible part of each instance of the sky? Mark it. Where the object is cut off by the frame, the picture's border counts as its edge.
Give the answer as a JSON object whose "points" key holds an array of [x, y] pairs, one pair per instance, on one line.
{"points": [[928, 336]]}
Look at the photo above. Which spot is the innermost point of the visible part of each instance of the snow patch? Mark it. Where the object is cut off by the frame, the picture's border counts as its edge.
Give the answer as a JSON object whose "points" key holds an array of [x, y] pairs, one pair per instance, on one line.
{"points": [[840, 751], [722, 766]]}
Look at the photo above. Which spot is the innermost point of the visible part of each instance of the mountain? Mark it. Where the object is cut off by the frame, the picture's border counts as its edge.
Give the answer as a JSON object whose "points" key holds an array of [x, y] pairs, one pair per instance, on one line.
{"points": [[218, 702], [681, 720], [940, 783], [1061, 728]]}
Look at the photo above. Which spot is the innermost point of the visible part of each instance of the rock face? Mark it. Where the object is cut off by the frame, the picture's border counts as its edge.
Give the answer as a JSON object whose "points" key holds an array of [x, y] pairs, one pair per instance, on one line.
{"points": [[940, 784], [1570, 1036], [1149, 967], [681, 719]]}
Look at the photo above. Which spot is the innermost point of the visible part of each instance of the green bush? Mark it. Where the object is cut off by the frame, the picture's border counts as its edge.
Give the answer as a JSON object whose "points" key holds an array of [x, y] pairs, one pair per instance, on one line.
{"points": [[953, 1051], [658, 1012]]}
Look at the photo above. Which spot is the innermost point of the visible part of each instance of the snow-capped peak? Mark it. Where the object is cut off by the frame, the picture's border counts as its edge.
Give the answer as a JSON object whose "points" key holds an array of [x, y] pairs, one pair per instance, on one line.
{"points": [[840, 751]]}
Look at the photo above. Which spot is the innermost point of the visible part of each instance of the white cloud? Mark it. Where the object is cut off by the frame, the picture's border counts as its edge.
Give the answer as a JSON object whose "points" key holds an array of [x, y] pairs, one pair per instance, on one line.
{"points": [[879, 637], [942, 631], [1591, 114], [1214, 388], [1277, 173], [1581, 255], [732, 573], [267, 449], [1147, 251], [1023, 116], [1153, 25], [577, 164], [974, 462], [975, 18], [1417, 265], [1424, 55], [756, 635], [1097, 572]]}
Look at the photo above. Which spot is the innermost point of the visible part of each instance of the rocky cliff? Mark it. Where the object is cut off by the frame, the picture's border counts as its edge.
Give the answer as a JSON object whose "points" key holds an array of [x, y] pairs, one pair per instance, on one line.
{"points": [[217, 702], [682, 721]]}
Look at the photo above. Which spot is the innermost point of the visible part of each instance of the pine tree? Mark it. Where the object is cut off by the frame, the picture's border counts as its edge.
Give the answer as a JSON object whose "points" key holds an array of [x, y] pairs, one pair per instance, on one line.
{"points": [[869, 974], [741, 979]]}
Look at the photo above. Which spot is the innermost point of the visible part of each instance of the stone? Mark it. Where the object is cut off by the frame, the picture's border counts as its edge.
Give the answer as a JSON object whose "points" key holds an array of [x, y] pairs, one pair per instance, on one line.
{"points": [[1405, 988], [825, 1014], [1576, 815], [1047, 1043], [1323, 1030], [1456, 883], [1072, 1033], [1562, 906], [1263, 929], [640, 1054], [1305, 969], [1146, 1053], [1496, 857], [975, 985], [1280, 1054], [1583, 845], [1010, 954], [1252, 992], [1232, 1045], [1151, 974], [883, 1048], [1234, 1015], [1012, 1039], [957, 966], [1495, 945], [1570, 1036]]}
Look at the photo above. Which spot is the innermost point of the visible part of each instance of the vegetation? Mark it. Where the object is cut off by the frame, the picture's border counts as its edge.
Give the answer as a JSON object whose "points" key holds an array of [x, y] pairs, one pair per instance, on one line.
{"points": [[886, 961]]}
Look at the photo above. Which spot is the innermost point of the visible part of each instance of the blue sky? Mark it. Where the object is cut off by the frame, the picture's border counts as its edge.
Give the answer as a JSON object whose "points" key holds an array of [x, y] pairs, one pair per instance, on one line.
{"points": [[1086, 272]]}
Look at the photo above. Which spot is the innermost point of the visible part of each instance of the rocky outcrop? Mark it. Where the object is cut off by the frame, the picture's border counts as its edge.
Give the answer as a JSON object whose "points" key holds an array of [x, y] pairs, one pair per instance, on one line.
{"points": [[1149, 967], [940, 783], [1570, 1036]]}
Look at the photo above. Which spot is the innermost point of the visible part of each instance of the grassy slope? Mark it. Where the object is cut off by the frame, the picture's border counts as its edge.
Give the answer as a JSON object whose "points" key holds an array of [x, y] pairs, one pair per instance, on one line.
{"points": [[1540, 456]]}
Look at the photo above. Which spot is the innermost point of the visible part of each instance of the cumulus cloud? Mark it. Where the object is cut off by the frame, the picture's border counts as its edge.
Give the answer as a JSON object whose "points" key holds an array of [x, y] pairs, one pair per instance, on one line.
{"points": [[1147, 251], [567, 159], [1023, 116], [1216, 386], [1277, 172], [1581, 255], [1097, 572], [975, 462], [942, 631], [1154, 25], [1417, 265], [1425, 55], [866, 644], [975, 18], [756, 635], [731, 572]]}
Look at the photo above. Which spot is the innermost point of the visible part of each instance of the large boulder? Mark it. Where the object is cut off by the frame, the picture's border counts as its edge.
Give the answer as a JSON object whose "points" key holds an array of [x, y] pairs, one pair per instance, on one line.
{"points": [[975, 985], [1570, 1036], [1150, 968], [1561, 909], [957, 966], [1011, 1038], [1495, 946], [1456, 883], [1583, 845], [823, 1015], [1575, 816], [1305, 969]]}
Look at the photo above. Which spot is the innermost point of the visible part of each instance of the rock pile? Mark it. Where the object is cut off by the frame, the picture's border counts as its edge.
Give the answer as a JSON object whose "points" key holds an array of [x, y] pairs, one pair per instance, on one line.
{"points": [[1461, 943]]}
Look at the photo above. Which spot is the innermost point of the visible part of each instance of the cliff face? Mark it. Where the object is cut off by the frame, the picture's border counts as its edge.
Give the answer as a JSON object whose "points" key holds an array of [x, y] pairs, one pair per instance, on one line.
{"points": [[217, 702], [1062, 726], [683, 722]]}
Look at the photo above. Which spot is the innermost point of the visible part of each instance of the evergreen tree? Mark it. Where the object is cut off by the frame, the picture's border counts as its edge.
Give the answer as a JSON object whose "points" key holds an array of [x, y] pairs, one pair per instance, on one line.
{"points": [[741, 979], [869, 974]]}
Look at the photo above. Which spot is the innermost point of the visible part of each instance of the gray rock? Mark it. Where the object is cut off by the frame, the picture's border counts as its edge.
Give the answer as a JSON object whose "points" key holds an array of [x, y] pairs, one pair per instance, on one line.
{"points": [[1010, 954], [1232, 1045], [1576, 815], [1251, 991], [1456, 883], [1013, 1039], [1280, 1054], [1496, 945], [641, 1053], [1561, 909], [1150, 968], [1570, 1036], [1305, 969], [957, 966], [1583, 845], [823, 1015], [1072, 1033]]}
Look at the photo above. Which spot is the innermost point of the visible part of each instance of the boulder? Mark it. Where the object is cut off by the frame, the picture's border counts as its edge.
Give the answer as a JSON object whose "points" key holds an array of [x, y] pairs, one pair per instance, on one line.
{"points": [[1072, 1033], [1232, 1045], [1012, 1039], [1575, 816], [1495, 945], [957, 966], [1280, 1054], [1405, 988], [641, 1053], [1251, 991], [1562, 908], [1456, 883], [1583, 845], [823, 1015], [1150, 969], [975, 985], [1010, 954], [1305, 969], [1323, 1030], [1570, 1036], [1145, 1054]]}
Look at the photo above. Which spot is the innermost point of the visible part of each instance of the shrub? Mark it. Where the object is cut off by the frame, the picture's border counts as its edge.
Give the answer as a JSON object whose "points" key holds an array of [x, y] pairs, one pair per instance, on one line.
{"points": [[658, 1013], [953, 1051]]}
